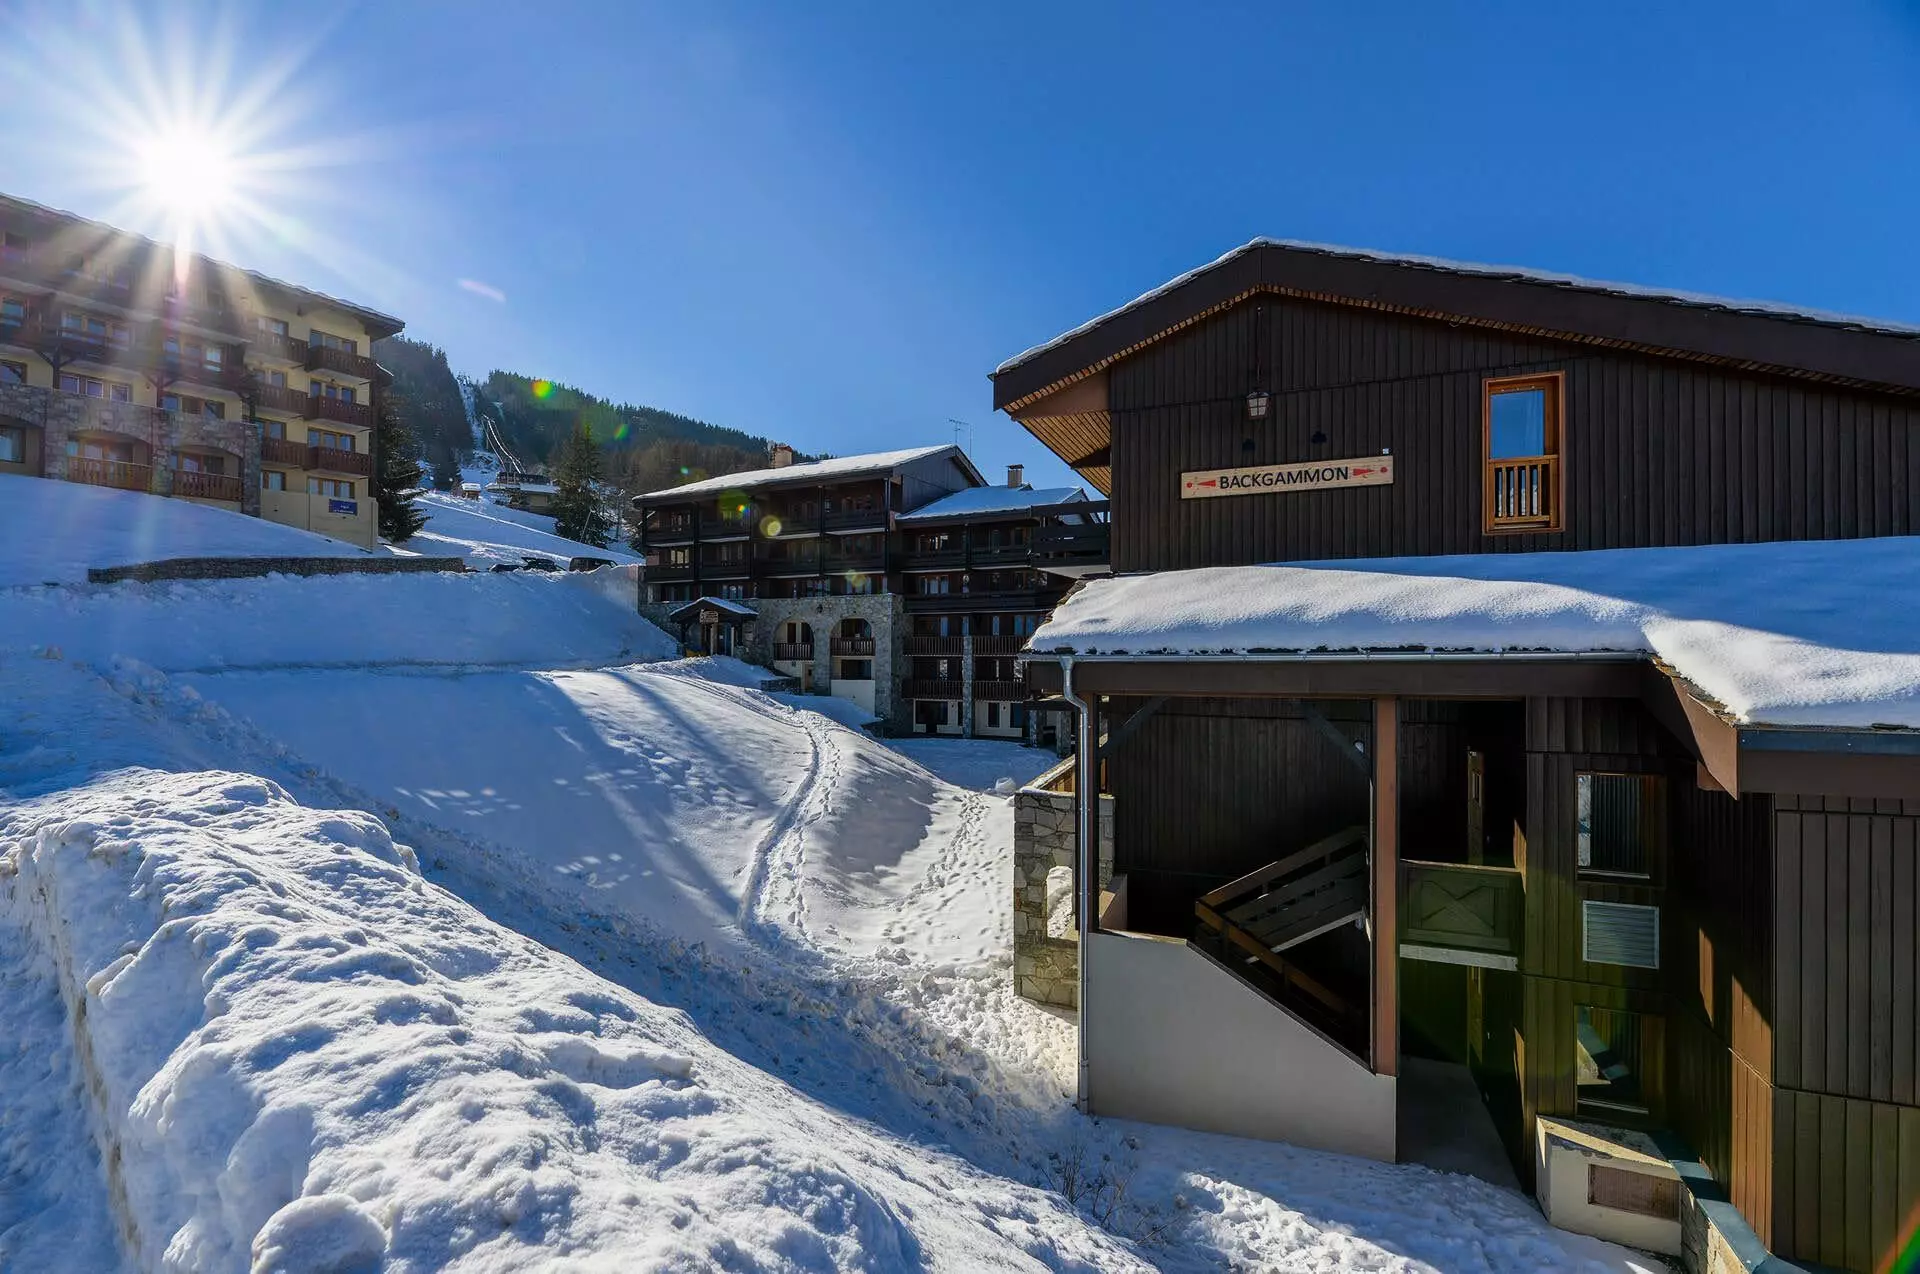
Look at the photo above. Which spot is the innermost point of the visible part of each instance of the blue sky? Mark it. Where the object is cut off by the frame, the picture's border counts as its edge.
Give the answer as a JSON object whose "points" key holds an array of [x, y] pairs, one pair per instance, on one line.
{"points": [[827, 223]]}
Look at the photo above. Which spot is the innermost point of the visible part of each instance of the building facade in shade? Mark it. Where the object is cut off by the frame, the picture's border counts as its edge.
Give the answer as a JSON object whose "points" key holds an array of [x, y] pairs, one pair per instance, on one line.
{"points": [[899, 581], [125, 364], [1670, 947]]}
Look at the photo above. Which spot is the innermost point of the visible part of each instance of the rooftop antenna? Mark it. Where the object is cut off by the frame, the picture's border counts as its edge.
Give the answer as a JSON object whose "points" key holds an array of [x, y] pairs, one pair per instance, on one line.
{"points": [[958, 425]]}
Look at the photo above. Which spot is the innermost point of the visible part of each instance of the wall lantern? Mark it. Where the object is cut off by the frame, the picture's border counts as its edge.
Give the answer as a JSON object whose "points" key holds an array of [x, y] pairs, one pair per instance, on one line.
{"points": [[1257, 404]]}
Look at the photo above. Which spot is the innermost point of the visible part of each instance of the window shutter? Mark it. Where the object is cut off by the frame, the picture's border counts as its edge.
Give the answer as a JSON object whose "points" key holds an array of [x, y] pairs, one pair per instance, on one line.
{"points": [[1620, 933]]}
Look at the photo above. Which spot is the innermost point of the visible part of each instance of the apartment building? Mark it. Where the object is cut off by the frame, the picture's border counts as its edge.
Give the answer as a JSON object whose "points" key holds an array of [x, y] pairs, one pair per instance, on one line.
{"points": [[124, 364], [900, 581]]}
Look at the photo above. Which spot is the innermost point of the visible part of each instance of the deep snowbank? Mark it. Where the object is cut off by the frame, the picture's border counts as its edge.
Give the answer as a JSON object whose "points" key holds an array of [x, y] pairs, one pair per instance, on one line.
{"points": [[304, 1057], [484, 534], [278, 621], [54, 531]]}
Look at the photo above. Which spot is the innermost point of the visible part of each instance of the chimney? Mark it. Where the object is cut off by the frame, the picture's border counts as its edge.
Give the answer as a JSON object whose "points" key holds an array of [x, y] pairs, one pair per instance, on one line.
{"points": [[780, 455], [1016, 475]]}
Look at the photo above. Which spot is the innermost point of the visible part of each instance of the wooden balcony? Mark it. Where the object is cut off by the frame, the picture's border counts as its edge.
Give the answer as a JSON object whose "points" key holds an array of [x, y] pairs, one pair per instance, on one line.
{"points": [[934, 646], [283, 399], [207, 486], [861, 563], [998, 645], [1461, 913], [119, 474], [1522, 493], [1001, 554], [669, 531], [853, 647], [793, 651], [664, 573], [1067, 545], [959, 603], [324, 358], [930, 688], [340, 460], [855, 519], [283, 451], [952, 559], [320, 407], [1000, 691], [273, 347]]}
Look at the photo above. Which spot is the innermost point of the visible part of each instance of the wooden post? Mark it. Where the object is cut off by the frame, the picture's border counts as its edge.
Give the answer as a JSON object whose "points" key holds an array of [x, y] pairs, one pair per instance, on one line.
{"points": [[1386, 886]]}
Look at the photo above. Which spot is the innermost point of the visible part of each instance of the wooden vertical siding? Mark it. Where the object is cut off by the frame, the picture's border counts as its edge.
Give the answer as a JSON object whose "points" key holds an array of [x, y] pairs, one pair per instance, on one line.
{"points": [[1657, 451], [1846, 1112]]}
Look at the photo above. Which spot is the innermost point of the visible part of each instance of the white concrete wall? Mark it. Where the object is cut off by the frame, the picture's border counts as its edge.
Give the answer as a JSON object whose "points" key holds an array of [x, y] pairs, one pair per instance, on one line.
{"points": [[1174, 1039], [1563, 1157], [860, 692]]}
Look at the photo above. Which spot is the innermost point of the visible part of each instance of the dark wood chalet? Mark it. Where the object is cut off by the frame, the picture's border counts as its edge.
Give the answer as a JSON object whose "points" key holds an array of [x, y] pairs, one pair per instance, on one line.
{"points": [[1671, 946]]}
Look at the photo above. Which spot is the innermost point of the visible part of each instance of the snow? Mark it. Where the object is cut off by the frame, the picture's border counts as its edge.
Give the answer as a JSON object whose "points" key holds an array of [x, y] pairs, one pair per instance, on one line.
{"points": [[428, 620], [324, 1026], [55, 530], [1699, 299], [978, 501], [813, 470], [485, 534], [1817, 633]]}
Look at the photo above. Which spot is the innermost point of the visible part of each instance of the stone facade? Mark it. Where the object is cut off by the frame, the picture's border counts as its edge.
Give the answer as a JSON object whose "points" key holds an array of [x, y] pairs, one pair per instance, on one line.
{"points": [[1046, 968], [61, 417]]}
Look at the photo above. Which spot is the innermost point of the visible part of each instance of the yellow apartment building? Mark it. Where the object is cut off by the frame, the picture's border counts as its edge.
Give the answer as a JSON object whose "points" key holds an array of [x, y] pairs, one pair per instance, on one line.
{"points": [[123, 364]]}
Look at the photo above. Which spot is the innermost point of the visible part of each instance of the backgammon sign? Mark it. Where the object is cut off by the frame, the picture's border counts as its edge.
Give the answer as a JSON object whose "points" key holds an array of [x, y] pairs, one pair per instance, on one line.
{"points": [[1315, 475]]}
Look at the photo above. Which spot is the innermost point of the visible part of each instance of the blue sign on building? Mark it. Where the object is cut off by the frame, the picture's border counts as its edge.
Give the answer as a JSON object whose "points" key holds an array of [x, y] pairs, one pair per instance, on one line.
{"points": [[343, 506]]}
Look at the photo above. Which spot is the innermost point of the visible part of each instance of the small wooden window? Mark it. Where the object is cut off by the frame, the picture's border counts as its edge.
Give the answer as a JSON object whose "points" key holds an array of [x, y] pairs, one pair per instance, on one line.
{"points": [[1616, 1061], [1620, 824], [1523, 452]]}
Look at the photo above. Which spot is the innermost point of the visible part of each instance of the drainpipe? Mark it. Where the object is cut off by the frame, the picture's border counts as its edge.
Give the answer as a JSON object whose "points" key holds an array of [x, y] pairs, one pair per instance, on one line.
{"points": [[1086, 787]]}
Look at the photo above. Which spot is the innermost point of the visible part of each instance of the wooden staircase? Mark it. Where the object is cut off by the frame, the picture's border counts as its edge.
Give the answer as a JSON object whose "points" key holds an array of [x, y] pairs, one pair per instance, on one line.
{"points": [[1250, 922]]}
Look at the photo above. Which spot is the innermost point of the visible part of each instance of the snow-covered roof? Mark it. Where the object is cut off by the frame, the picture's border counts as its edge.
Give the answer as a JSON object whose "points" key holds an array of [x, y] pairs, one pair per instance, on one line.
{"points": [[811, 471], [1700, 300], [714, 603], [981, 501], [1822, 633]]}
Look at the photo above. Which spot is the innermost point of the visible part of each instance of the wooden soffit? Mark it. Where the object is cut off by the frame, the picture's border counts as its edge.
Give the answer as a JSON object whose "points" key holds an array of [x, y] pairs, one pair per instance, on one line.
{"points": [[1071, 421]]}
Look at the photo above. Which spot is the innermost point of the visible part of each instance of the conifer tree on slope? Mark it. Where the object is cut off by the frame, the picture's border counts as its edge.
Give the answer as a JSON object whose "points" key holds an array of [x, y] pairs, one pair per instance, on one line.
{"points": [[396, 478], [577, 514]]}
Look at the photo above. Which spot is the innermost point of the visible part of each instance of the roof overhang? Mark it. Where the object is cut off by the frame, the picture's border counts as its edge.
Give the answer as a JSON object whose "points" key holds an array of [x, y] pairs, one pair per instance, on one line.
{"points": [[1735, 758], [730, 612]]}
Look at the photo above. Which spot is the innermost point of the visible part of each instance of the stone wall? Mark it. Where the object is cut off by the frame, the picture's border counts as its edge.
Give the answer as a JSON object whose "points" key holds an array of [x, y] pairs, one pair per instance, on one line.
{"points": [[61, 416], [1046, 968], [250, 567]]}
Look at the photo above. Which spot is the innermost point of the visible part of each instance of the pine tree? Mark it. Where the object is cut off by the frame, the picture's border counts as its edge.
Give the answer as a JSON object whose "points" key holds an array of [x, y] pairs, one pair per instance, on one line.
{"points": [[396, 479], [577, 513]]}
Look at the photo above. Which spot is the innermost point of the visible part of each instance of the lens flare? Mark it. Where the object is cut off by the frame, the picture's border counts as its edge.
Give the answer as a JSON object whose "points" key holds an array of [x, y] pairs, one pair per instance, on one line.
{"points": [[543, 389], [770, 527]]}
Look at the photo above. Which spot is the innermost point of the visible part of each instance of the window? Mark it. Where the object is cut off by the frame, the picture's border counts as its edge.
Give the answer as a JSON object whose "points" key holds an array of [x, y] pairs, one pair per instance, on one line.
{"points": [[339, 393], [931, 585], [1620, 820], [12, 310], [993, 716], [856, 670], [327, 340], [113, 391], [733, 592], [1611, 1050], [272, 480], [271, 326], [12, 373], [276, 379], [188, 462], [93, 449], [332, 441], [333, 488], [13, 445], [1522, 433], [273, 429], [679, 557]]}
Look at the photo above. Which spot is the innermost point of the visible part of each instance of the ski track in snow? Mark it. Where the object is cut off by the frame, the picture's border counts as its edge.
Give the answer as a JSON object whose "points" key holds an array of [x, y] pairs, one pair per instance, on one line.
{"points": [[772, 893]]}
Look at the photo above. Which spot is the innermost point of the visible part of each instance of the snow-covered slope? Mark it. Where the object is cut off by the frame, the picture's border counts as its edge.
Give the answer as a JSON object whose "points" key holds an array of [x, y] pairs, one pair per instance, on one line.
{"points": [[348, 620], [486, 533], [53, 531]]}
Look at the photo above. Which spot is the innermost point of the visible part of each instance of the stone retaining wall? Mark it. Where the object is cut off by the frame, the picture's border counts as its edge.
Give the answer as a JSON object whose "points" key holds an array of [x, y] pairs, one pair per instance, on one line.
{"points": [[176, 568], [1046, 968]]}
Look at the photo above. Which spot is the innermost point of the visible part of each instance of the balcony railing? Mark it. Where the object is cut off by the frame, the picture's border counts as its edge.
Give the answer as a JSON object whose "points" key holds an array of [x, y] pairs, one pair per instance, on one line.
{"points": [[1059, 544], [996, 644], [725, 567], [931, 559], [716, 525], [866, 563], [668, 573], [325, 358], [793, 651], [926, 688], [1462, 908], [935, 645], [277, 347], [669, 530], [957, 603], [281, 398], [340, 460], [206, 486], [853, 519], [788, 563], [853, 647], [1003, 691], [120, 474], [1001, 554], [320, 407], [283, 451], [1521, 491]]}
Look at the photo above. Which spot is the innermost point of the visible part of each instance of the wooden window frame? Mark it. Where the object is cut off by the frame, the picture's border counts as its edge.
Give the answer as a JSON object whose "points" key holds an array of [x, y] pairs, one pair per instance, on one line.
{"points": [[1555, 386], [1654, 846]]}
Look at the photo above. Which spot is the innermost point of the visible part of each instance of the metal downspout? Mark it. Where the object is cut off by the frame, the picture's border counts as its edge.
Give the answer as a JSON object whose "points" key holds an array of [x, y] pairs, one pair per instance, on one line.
{"points": [[1086, 788]]}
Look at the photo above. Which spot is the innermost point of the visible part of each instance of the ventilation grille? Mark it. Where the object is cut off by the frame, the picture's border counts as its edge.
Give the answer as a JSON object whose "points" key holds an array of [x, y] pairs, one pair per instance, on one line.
{"points": [[1620, 933], [1625, 1191]]}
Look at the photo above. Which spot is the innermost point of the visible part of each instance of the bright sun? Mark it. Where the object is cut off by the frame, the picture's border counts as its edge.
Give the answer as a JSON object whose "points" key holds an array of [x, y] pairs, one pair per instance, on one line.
{"points": [[191, 174]]}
